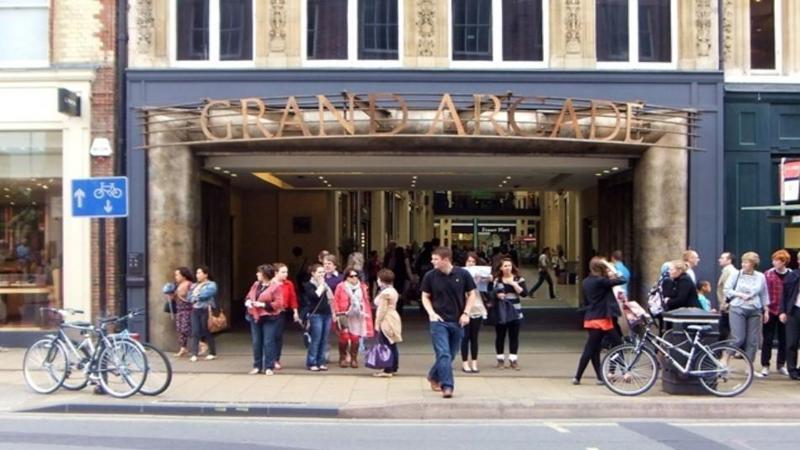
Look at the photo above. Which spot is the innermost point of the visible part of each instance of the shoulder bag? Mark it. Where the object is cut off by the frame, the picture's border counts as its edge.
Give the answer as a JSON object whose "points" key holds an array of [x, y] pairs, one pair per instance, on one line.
{"points": [[218, 322]]}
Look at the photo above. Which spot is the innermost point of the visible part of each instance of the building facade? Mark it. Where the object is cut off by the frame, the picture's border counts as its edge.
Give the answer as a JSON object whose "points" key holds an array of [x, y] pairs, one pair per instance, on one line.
{"points": [[242, 202], [57, 82]]}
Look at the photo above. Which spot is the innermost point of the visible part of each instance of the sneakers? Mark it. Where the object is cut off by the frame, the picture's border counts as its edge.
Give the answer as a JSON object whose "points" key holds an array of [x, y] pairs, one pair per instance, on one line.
{"points": [[765, 372], [314, 368], [784, 371], [576, 381], [382, 375], [211, 357], [760, 374], [466, 368], [277, 365], [323, 367], [254, 372], [193, 358], [269, 372]]}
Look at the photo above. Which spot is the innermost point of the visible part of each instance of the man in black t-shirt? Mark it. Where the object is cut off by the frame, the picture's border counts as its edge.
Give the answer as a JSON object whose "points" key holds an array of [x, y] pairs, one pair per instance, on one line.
{"points": [[448, 294]]}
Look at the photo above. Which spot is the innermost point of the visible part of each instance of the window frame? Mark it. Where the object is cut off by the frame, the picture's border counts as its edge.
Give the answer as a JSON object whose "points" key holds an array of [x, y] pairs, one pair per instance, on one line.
{"points": [[633, 42], [497, 60], [29, 63], [352, 41], [778, 26], [214, 35]]}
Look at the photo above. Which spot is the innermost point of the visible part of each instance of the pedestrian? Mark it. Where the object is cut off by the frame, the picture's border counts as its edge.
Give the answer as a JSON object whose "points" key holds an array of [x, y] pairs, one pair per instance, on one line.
{"points": [[332, 275], [790, 317], [600, 310], [544, 273], [183, 309], [680, 292], [692, 260], [353, 316], [727, 269], [775, 282], [317, 299], [356, 261], [203, 297], [478, 313], [291, 312], [265, 304], [621, 268], [387, 320], [703, 291], [509, 287], [448, 295], [373, 267], [749, 299], [402, 272]]}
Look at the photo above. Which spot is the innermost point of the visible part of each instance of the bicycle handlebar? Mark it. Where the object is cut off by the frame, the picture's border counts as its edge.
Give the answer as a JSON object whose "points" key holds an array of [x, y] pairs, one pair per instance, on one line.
{"points": [[118, 319]]}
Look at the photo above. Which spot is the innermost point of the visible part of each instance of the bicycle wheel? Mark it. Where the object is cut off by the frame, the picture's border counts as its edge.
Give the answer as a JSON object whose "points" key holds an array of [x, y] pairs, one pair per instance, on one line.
{"points": [[628, 372], [159, 371], [77, 378], [728, 373], [44, 366], [122, 368]]}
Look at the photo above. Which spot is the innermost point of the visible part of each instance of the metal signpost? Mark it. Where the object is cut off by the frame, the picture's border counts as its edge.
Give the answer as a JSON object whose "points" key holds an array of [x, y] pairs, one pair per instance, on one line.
{"points": [[100, 198]]}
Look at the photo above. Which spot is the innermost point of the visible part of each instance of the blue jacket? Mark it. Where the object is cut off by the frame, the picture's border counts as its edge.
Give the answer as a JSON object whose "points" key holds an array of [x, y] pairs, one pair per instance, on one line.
{"points": [[207, 296]]}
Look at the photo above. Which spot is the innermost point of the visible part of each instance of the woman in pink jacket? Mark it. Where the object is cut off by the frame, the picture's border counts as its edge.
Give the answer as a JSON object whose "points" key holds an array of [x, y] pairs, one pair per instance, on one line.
{"points": [[264, 303], [352, 316]]}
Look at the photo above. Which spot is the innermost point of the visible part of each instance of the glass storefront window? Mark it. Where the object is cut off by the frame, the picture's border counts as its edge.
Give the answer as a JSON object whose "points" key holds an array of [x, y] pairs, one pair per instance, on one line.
{"points": [[31, 218]]}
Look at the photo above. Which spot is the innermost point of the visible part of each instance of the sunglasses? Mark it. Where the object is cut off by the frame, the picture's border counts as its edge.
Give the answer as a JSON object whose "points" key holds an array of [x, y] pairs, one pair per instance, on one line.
{"points": [[352, 275]]}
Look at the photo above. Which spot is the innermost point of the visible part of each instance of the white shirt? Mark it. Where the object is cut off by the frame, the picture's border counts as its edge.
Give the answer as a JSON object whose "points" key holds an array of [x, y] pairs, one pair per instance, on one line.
{"points": [[691, 274]]}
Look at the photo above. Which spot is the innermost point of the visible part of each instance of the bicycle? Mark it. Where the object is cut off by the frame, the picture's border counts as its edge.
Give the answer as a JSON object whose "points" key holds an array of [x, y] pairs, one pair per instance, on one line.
{"points": [[721, 368], [159, 369], [107, 189], [118, 365]]}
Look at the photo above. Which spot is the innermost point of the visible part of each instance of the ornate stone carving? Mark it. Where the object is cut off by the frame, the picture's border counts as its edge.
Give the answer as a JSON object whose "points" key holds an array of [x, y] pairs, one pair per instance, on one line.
{"points": [[145, 25], [727, 29], [277, 26], [426, 14], [572, 26], [702, 22]]}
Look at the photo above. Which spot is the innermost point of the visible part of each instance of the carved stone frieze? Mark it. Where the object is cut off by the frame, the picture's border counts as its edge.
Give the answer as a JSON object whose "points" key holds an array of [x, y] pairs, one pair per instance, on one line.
{"points": [[145, 25], [703, 24], [426, 15], [572, 26], [727, 29], [277, 26]]}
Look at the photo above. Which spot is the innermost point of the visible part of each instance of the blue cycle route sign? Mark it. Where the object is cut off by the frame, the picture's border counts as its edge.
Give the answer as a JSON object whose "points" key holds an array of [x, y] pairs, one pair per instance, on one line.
{"points": [[100, 197]]}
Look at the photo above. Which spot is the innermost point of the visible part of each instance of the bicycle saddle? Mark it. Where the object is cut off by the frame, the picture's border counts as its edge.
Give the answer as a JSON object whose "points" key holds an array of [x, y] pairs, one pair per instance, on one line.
{"points": [[700, 328]]}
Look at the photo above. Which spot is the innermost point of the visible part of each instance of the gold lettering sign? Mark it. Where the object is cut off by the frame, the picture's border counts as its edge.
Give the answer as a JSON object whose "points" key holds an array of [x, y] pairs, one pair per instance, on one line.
{"points": [[382, 114]]}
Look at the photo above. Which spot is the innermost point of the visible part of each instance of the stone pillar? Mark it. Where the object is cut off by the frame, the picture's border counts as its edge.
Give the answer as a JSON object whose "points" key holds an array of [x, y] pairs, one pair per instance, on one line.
{"points": [[697, 34], [404, 220], [335, 224], [173, 218], [660, 207], [377, 222], [736, 36], [791, 38]]}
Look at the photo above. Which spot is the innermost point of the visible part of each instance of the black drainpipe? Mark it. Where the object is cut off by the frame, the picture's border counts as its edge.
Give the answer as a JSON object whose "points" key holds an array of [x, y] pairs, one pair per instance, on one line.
{"points": [[120, 132]]}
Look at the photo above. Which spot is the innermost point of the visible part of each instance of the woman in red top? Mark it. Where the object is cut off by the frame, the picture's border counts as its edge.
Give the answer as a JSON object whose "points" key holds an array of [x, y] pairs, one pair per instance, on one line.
{"points": [[291, 306], [353, 316], [264, 303]]}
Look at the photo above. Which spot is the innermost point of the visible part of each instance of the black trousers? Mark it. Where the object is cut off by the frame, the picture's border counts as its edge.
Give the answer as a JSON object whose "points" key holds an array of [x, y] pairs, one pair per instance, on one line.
{"points": [[512, 329], [469, 344], [792, 338], [200, 330], [591, 350], [770, 329], [544, 276], [724, 326]]}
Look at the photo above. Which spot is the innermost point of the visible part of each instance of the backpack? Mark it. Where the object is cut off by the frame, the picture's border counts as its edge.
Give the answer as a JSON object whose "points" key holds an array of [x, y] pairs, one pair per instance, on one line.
{"points": [[655, 299]]}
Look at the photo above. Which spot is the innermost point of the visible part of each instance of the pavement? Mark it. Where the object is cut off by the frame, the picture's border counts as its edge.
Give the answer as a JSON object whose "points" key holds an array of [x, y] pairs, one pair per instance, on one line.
{"points": [[542, 389]]}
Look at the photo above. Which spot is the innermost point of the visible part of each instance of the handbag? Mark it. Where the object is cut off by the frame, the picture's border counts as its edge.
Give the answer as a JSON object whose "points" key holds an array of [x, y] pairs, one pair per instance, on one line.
{"points": [[169, 292], [341, 322], [218, 322], [379, 356], [506, 312]]}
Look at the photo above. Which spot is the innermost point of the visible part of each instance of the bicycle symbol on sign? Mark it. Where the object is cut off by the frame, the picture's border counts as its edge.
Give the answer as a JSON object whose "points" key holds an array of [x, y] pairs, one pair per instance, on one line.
{"points": [[107, 189]]}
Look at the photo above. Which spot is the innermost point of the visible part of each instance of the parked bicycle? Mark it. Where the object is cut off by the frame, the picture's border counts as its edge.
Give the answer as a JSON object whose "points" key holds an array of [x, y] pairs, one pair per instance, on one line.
{"points": [[159, 369], [117, 364], [721, 368]]}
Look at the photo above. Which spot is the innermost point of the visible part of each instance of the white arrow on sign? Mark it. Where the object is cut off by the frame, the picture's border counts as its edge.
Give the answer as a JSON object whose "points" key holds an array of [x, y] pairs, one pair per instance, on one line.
{"points": [[108, 206], [79, 196]]}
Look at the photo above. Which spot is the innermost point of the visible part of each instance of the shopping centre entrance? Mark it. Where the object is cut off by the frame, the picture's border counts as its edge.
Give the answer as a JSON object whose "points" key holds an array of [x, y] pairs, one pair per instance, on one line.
{"points": [[235, 183]]}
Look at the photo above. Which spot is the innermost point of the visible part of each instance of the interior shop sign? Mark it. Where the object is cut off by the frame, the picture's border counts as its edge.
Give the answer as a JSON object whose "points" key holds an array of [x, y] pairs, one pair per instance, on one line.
{"points": [[394, 114]]}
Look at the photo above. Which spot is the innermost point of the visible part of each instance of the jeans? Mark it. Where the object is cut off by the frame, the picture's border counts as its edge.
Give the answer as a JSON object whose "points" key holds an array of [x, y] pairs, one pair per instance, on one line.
{"points": [[319, 327], [283, 319], [792, 338], [446, 339], [746, 329], [395, 354], [200, 330], [771, 328], [264, 333]]}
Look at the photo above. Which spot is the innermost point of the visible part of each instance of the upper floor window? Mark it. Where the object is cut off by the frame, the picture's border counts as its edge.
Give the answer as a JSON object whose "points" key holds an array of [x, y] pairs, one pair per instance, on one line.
{"points": [[213, 30], [764, 36], [636, 31], [24, 33], [349, 31], [497, 31]]}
